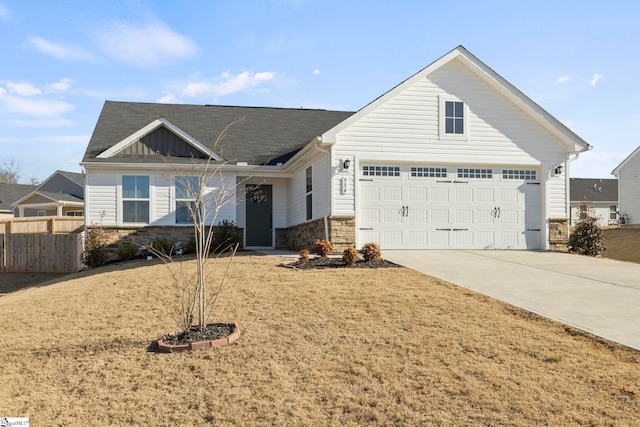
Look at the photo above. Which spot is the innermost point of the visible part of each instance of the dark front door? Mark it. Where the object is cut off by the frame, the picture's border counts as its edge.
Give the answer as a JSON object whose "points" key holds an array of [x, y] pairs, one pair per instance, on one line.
{"points": [[259, 227]]}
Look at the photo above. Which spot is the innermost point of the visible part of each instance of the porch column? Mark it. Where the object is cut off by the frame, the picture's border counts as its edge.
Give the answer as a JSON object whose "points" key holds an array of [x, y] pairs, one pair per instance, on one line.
{"points": [[59, 213]]}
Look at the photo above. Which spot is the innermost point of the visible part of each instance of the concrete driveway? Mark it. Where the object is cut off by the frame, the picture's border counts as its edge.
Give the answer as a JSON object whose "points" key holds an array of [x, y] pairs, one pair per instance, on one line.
{"points": [[600, 296]]}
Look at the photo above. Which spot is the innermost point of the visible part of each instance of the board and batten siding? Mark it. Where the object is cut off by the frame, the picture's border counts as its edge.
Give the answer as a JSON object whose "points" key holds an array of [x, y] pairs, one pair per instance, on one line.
{"points": [[406, 129], [297, 191], [629, 189]]}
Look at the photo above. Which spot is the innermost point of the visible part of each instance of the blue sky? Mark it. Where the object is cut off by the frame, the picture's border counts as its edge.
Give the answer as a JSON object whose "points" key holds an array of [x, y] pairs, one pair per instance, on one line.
{"points": [[59, 62]]}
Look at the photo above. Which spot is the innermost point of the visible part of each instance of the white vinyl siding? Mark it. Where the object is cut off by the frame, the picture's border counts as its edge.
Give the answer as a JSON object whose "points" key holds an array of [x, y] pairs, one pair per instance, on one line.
{"points": [[406, 129], [103, 198], [100, 198], [296, 191], [629, 189]]}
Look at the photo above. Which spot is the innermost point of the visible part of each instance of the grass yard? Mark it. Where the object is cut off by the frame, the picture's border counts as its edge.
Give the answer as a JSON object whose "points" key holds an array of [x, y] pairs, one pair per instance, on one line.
{"points": [[346, 347], [623, 244]]}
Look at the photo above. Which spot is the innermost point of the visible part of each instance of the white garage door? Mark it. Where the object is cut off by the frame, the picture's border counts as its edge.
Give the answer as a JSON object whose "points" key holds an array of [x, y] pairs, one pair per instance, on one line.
{"points": [[424, 207]]}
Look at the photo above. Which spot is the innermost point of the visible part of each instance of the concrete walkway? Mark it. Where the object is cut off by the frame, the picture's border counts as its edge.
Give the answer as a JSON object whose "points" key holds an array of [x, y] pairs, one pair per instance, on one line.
{"points": [[600, 296]]}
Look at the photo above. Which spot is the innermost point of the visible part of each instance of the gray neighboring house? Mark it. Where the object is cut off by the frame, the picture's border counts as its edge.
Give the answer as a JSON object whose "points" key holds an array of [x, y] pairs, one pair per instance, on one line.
{"points": [[596, 196], [628, 174], [9, 193], [62, 194]]}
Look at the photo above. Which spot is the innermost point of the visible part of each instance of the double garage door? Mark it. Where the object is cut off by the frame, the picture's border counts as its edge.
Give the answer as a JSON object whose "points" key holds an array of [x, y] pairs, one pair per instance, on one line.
{"points": [[449, 207]]}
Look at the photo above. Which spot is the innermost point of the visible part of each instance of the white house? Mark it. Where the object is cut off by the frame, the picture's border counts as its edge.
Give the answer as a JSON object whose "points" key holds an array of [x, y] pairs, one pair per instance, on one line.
{"points": [[596, 197], [452, 157], [628, 174]]}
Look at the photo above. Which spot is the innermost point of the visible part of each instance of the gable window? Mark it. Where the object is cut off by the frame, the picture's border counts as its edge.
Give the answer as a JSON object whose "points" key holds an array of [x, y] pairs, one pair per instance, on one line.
{"points": [[135, 199], [309, 181], [454, 117], [187, 189]]}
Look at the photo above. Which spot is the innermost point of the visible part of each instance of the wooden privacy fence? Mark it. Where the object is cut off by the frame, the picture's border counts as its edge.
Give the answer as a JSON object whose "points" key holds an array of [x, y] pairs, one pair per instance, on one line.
{"points": [[42, 224], [40, 253]]}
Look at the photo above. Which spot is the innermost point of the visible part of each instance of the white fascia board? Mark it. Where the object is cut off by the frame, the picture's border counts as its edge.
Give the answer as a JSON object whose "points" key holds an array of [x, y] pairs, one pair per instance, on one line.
{"points": [[250, 170], [616, 171], [516, 96], [150, 128]]}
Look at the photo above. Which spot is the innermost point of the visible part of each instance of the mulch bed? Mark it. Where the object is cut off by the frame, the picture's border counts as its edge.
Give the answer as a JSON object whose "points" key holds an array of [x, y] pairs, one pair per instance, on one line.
{"points": [[331, 262], [209, 333]]}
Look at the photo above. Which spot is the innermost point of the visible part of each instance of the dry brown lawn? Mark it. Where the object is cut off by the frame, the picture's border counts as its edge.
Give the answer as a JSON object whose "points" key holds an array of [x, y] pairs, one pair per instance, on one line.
{"points": [[623, 244], [323, 347]]}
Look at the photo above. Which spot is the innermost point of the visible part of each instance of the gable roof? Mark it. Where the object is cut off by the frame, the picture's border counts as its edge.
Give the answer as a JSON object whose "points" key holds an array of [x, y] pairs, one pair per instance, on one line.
{"points": [[616, 171], [489, 76], [593, 190], [76, 177], [265, 136], [9, 193]]}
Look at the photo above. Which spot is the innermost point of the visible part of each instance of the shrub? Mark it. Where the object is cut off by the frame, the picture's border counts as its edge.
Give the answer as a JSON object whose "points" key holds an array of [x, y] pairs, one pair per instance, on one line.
{"points": [[304, 255], [226, 234], [371, 252], [127, 251], [587, 239], [323, 248], [350, 256], [163, 246], [95, 254]]}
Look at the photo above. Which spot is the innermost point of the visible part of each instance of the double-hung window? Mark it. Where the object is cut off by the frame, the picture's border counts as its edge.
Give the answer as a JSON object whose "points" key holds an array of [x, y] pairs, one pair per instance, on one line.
{"points": [[453, 117], [135, 199], [309, 181], [187, 190]]}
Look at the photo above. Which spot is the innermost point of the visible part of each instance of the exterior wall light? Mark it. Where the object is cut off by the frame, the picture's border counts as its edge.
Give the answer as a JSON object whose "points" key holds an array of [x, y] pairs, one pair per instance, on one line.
{"points": [[346, 164], [558, 169]]}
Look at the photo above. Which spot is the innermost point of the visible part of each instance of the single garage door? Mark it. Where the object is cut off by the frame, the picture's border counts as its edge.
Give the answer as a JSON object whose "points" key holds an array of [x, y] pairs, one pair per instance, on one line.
{"points": [[449, 207]]}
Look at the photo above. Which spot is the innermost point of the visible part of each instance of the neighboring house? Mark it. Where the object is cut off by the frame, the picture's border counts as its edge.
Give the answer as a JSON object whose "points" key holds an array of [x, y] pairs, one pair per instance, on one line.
{"points": [[597, 197], [62, 194], [452, 157], [628, 174], [10, 193]]}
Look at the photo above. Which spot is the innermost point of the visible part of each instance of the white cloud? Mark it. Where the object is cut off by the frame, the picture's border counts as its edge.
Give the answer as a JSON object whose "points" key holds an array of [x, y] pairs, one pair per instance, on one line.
{"points": [[563, 79], [228, 83], [168, 99], [22, 89], [145, 45], [73, 139], [34, 106], [595, 79], [61, 86], [315, 72], [60, 51]]}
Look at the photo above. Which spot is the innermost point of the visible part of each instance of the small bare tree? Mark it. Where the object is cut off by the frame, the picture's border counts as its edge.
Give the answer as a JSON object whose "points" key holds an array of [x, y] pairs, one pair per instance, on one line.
{"points": [[202, 191], [10, 171]]}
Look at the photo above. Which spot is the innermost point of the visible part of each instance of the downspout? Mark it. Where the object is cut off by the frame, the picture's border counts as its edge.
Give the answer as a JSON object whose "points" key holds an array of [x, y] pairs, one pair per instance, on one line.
{"points": [[326, 217], [568, 187]]}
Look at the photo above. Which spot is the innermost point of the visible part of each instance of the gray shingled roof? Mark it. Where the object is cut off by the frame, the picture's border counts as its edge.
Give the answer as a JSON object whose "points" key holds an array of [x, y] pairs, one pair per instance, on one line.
{"points": [[593, 190], [265, 136], [9, 193], [61, 197], [76, 177]]}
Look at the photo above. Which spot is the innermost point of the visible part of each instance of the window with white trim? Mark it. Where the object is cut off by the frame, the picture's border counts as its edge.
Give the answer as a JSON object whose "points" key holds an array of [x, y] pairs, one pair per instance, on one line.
{"points": [[74, 213], [613, 212], [135, 199], [475, 173], [381, 170], [187, 190], [422, 172], [454, 118], [309, 184], [525, 174]]}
